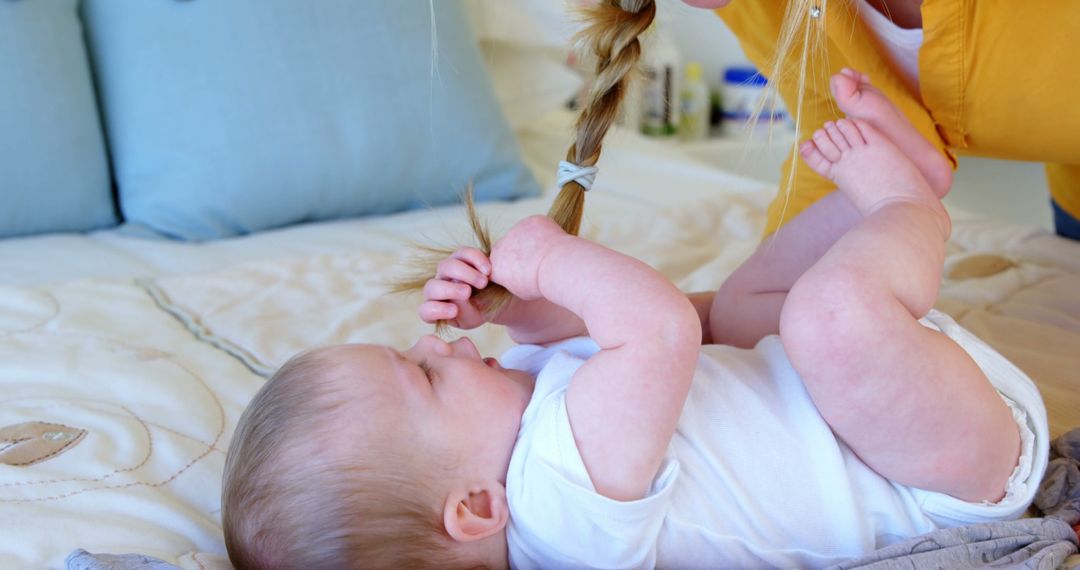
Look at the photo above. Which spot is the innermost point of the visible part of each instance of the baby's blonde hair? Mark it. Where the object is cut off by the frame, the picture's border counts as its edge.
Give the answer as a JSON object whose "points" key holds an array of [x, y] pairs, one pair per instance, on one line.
{"points": [[289, 503]]}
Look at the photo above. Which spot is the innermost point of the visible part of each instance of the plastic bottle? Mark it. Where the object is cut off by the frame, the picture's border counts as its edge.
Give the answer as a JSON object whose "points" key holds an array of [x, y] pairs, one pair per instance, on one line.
{"points": [[743, 90], [716, 112], [660, 88], [694, 123]]}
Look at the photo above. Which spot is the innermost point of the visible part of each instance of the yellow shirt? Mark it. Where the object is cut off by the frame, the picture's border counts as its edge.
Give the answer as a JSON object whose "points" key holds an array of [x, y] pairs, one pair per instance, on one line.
{"points": [[997, 78]]}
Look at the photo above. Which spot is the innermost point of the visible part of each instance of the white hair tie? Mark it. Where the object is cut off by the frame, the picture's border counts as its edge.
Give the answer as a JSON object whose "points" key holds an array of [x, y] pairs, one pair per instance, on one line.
{"points": [[583, 175]]}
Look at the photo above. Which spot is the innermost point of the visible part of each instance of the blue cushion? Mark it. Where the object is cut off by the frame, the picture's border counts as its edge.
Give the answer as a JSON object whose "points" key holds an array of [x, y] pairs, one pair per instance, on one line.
{"points": [[54, 170], [230, 117]]}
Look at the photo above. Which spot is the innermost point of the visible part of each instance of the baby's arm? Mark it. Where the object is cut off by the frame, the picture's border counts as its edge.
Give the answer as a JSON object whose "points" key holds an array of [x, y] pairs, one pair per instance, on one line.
{"points": [[539, 322], [624, 402], [448, 296]]}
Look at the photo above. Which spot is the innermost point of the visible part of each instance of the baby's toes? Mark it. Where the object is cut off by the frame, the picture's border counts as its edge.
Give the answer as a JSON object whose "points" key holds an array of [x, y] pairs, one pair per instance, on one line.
{"points": [[869, 132], [862, 78], [824, 144], [815, 158], [850, 131], [837, 137], [845, 88]]}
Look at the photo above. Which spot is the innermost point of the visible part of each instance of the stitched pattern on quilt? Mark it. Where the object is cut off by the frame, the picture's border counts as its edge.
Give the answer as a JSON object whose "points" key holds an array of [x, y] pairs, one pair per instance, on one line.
{"points": [[28, 443], [143, 461], [20, 435]]}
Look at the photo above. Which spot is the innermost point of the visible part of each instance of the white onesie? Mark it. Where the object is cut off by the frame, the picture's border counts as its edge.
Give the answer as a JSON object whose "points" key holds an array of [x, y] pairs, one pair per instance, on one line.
{"points": [[753, 476], [901, 45]]}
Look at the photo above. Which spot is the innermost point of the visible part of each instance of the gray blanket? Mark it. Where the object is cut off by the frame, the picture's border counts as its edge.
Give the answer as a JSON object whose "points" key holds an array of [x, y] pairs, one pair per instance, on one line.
{"points": [[83, 560], [1043, 543]]}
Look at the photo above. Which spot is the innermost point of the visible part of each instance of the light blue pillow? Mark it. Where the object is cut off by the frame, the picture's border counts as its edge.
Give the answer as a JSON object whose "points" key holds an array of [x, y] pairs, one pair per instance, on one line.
{"points": [[54, 170], [228, 117]]}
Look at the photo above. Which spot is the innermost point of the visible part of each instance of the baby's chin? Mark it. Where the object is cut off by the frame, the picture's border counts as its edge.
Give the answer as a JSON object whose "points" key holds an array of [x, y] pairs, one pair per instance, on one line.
{"points": [[523, 380]]}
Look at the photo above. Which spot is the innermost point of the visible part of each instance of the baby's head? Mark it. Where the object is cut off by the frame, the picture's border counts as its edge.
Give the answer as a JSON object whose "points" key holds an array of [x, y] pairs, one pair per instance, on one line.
{"points": [[360, 455]]}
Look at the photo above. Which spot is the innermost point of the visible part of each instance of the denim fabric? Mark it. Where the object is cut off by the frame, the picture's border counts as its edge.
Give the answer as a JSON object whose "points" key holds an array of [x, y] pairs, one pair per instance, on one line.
{"points": [[1066, 225]]}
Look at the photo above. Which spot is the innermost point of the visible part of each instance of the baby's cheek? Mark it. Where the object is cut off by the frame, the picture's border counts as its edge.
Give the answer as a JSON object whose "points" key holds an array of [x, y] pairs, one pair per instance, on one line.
{"points": [[500, 393]]}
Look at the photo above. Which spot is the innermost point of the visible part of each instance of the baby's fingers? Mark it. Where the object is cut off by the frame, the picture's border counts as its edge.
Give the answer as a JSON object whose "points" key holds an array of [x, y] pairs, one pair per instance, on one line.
{"points": [[440, 290], [470, 270], [475, 258], [433, 311]]}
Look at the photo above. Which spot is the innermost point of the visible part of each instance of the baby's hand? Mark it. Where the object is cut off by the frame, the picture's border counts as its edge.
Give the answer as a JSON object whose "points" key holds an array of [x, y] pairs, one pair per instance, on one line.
{"points": [[449, 295], [515, 259]]}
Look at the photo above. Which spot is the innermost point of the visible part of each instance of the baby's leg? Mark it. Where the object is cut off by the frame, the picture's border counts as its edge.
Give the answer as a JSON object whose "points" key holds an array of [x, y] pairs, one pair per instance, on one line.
{"points": [[747, 306], [908, 400]]}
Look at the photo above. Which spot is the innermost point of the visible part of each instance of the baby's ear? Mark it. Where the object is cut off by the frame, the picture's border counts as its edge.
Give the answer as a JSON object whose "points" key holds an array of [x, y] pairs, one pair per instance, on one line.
{"points": [[475, 510]]}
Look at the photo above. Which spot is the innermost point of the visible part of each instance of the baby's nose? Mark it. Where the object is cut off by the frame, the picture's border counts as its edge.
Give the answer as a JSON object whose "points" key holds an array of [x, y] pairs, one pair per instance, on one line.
{"points": [[465, 345], [433, 343]]}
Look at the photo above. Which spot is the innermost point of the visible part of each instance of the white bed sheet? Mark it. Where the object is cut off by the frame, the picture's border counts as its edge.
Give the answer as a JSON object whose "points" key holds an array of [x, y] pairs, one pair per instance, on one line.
{"points": [[155, 347]]}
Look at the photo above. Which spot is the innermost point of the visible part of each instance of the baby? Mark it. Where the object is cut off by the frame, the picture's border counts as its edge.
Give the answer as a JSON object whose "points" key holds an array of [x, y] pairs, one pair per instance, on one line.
{"points": [[613, 438]]}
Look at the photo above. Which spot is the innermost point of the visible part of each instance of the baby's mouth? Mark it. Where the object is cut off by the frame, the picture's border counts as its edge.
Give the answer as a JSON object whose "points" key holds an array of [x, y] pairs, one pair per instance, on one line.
{"points": [[491, 362]]}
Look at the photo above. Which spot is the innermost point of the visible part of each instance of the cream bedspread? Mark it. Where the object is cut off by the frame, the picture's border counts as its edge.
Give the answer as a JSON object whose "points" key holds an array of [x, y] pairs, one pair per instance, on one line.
{"points": [[155, 357]]}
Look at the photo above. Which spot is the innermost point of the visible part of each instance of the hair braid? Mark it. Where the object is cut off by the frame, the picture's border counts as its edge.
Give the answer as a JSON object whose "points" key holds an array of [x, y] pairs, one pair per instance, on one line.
{"points": [[611, 37]]}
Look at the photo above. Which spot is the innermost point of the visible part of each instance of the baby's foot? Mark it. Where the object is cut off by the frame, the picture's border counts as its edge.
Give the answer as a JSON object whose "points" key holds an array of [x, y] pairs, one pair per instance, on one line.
{"points": [[868, 168], [858, 99]]}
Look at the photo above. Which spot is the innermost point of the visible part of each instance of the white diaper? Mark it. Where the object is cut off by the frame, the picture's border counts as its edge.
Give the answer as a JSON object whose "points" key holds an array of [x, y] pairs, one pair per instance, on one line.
{"points": [[1023, 399]]}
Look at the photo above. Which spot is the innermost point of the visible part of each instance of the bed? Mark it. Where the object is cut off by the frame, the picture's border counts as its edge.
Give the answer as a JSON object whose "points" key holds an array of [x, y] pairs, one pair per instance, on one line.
{"points": [[131, 359], [152, 348]]}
